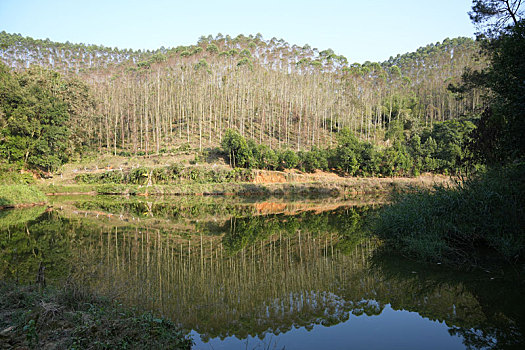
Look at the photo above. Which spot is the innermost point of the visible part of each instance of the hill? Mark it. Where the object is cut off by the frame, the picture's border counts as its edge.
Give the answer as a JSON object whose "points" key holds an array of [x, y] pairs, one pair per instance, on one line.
{"points": [[281, 95]]}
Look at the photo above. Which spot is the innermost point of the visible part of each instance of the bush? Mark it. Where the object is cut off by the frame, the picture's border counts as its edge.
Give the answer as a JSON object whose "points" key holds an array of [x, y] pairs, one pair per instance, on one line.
{"points": [[235, 145], [138, 176], [287, 160], [314, 159], [453, 225], [264, 157]]}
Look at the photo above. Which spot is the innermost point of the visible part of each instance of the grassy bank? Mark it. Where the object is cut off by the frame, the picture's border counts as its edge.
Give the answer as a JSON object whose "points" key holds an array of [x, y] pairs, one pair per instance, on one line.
{"points": [[67, 318], [242, 189], [287, 185], [482, 217], [15, 195]]}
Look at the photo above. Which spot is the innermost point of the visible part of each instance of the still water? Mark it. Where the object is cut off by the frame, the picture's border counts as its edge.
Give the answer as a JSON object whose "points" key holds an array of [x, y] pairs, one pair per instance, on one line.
{"points": [[247, 274]]}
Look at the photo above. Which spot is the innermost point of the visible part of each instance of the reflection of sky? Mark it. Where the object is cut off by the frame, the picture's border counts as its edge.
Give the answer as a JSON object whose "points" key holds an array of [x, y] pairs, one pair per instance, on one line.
{"points": [[390, 330]]}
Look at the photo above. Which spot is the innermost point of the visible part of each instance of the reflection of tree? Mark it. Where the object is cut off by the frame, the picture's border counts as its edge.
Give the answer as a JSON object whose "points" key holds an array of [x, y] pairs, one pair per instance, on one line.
{"points": [[486, 312], [345, 222], [266, 274], [19, 217], [254, 275], [43, 238]]}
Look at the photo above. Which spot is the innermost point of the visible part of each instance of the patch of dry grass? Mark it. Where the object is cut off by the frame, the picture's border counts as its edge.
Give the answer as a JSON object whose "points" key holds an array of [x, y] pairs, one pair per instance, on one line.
{"points": [[71, 317]]}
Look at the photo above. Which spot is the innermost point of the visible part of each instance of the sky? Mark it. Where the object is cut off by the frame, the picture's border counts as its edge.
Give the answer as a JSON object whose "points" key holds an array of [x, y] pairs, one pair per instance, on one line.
{"points": [[361, 30]]}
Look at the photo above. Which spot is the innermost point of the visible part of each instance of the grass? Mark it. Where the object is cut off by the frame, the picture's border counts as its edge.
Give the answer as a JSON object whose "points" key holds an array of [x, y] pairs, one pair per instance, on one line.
{"points": [[19, 216], [19, 194], [480, 218], [69, 318]]}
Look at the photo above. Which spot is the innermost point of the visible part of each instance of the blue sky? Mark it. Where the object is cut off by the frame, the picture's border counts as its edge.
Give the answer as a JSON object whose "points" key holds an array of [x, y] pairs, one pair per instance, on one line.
{"points": [[360, 30]]}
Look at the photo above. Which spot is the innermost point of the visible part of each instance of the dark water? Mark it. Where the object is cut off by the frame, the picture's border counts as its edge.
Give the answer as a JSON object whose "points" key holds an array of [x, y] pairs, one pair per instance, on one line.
{"points": [[238, 273]]}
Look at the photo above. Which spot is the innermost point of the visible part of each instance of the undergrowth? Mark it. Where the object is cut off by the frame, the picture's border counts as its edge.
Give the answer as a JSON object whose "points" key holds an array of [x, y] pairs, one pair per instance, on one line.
{"points": [[482, 217], [173, 174], [11, 195], [71, 318]]}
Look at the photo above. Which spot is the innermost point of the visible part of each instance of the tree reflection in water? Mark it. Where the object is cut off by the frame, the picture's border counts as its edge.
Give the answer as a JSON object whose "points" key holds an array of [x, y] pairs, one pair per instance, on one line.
{"points": [[250, 275]]}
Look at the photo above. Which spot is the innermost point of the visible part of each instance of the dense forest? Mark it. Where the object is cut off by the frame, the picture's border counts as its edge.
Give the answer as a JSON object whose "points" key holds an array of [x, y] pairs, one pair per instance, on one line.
{"points": [[268, 91]]}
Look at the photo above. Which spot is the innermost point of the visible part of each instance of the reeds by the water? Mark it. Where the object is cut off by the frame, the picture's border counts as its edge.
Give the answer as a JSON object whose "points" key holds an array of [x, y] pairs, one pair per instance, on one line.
{"points": [[481, 217]]}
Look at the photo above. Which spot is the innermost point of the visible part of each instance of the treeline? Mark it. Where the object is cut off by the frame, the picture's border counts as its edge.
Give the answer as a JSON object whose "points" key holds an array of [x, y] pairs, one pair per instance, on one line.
{"points": [[271, 92], [46, 118], [440, 149]]}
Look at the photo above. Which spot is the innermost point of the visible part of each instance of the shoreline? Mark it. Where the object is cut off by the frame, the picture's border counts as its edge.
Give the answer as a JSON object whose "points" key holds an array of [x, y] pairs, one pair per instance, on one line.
{"points": [[22, 205], [333, 187]]}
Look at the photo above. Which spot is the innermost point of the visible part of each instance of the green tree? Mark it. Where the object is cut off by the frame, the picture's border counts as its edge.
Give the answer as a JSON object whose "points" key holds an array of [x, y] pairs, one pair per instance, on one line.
{"points": [[288, 159], [212, 48], [493, 16], [235, 145], [499, 136], [346, 153], [265, 157], [35, 118], [452, 138]]}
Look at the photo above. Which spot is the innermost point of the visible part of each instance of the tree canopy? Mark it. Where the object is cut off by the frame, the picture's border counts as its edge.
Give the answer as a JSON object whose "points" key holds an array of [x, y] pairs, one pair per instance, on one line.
{"points": [[499, 136], [36, 106]]}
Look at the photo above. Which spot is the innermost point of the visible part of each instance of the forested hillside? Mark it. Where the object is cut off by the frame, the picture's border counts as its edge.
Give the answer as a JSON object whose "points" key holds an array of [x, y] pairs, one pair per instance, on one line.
{"points": [[271, 92]]}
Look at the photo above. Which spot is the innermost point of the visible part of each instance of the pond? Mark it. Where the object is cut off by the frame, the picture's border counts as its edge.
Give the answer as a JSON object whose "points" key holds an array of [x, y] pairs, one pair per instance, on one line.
{"points": [[241, 273]]}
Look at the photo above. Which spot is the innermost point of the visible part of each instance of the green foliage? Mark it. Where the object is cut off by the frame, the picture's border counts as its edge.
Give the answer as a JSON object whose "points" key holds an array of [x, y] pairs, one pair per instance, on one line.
{"points": [[111, 188], [452, 224], [35, 109], [501, 129], [369, 159], [114, 181], [495, 15], [245, 61], [442, 148], [245, 53], [137, 176], [264, 157], [312, 160], [287, 159], [155, 58], [196, 50], [235, 145], [452, 138], [346, 153], [212, 48], [11, 195], [202, 65]]}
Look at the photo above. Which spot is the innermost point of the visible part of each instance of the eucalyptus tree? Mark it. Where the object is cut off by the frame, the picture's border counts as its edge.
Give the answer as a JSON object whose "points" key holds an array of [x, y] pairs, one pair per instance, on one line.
{"points": [[283, 95]]}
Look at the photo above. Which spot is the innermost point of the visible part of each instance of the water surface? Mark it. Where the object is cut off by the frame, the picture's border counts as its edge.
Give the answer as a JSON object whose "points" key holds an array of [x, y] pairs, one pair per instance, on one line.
{"points": [[248, 274]]}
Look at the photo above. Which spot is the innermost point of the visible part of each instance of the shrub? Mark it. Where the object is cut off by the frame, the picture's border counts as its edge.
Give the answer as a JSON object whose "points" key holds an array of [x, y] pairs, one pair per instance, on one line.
{"points": [[452, 224], [287, 159]]}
